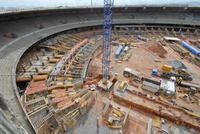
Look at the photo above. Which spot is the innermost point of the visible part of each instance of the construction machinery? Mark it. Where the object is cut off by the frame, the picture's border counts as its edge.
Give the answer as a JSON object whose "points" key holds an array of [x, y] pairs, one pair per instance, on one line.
{"points": [[183, 72], [168, 75], [179, 80], [107, 31], [166, 68]]}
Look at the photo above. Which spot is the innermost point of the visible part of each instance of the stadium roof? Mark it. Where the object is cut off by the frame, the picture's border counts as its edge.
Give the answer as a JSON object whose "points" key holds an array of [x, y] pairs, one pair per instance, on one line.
{"points": [[27, 5], [91, 3]]}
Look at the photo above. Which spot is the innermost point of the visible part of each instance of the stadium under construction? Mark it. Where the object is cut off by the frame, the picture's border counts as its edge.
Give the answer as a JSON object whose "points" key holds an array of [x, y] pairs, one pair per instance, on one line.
{"points": [[58, 75]]}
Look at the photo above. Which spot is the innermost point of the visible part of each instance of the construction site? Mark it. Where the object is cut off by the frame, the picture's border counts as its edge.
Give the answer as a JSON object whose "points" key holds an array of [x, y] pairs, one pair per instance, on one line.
{"points": [[152, 77], [120, 75]]}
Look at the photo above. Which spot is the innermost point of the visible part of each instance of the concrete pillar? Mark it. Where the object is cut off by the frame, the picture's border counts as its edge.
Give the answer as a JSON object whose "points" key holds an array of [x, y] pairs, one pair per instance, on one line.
{"points": [[145, 28], [196, 32], [160, 29], [139, 29], [188, 31], [174, 32], [166, 31], [180, 30]]}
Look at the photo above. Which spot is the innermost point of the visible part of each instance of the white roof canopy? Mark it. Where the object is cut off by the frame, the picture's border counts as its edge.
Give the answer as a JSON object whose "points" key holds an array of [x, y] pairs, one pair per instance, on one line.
{"points": [[95, 3]]}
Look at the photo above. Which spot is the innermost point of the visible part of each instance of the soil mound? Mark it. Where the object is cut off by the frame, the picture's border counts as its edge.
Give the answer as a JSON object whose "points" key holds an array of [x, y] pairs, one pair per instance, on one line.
{"points": [[158, 49]]}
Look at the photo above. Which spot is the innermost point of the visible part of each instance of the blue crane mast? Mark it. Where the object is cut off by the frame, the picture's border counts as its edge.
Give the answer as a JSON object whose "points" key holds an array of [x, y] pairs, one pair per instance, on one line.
{"points": [[107, 35]]}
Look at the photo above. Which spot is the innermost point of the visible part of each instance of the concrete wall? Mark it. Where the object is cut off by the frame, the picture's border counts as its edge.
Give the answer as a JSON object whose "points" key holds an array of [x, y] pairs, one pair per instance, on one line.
{"points": [[26, 22]]}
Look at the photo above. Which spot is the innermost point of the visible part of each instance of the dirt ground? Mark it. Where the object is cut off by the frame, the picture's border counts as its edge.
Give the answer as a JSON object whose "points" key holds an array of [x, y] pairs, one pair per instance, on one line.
{"points": [[138, 126], [145, 57], [144, 60]]}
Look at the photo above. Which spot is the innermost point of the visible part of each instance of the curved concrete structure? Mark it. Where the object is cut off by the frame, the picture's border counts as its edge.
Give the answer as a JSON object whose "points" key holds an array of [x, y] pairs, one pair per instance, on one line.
{"points": [[27, 22], [25, 26]]}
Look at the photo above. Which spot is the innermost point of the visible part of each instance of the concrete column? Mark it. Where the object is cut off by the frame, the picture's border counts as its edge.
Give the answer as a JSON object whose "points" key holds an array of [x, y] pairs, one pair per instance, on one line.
{"points": [[139, 29], [174, 32], [145, 28], [196, 32], [180, 30], [166, 31], [188, 31]]}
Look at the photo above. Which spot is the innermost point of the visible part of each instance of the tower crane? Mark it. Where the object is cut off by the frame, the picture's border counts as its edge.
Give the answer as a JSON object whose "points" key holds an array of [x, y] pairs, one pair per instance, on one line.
{"points": [[107, 35]]}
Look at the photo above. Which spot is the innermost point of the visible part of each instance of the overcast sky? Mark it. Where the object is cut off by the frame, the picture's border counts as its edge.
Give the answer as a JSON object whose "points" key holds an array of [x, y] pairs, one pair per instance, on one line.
{"points": [[72, 3]]}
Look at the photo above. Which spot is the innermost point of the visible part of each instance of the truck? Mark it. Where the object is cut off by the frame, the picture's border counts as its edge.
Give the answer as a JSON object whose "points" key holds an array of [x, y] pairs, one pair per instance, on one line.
{"points": [[119, 51], [131, 73]]}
